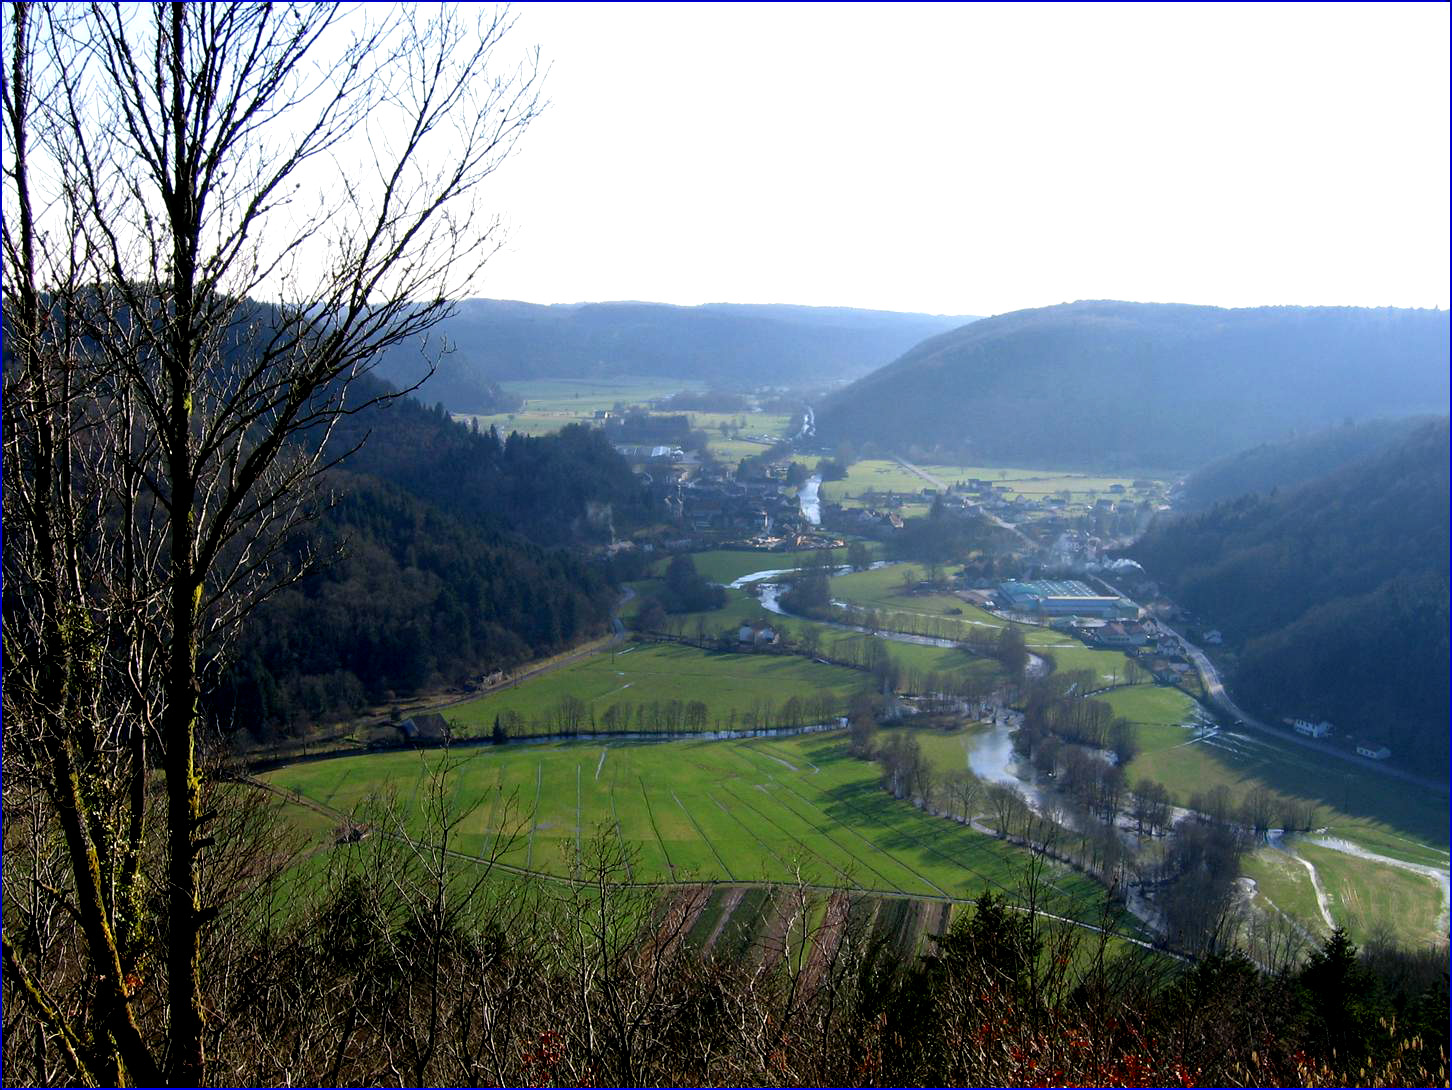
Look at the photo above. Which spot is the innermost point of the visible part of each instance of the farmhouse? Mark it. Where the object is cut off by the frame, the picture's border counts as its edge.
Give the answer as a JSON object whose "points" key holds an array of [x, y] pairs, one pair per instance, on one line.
{"points": [[756, 635], [1116, 634], [1309, 729], [426, 729]]}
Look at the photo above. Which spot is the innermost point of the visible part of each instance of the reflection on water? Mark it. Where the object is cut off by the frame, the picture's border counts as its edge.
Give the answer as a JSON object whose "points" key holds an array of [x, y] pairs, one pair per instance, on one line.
{"points": [[991, 758]]}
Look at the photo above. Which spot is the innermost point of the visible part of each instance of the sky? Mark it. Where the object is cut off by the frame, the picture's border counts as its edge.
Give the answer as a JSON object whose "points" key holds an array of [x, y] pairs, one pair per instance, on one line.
{"points": [[976, 159]]}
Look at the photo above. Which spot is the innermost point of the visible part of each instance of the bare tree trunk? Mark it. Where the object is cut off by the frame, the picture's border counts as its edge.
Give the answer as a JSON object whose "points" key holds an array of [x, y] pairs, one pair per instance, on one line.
{"points": [[164, 434]]}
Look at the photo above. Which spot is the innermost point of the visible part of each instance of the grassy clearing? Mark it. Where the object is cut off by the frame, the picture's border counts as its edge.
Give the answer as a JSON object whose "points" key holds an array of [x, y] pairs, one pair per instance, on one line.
{"points": [[1286, 884], [885, 590], [731, 451], [730, 685], [1362, 805], [1159, 712], [871, 475], [742, 608], [551, 404], [743, 811], [880, 475], [1367, 896], [584, 396], [763, 424], [524, 422], [1036, 483], [1359, 804]]}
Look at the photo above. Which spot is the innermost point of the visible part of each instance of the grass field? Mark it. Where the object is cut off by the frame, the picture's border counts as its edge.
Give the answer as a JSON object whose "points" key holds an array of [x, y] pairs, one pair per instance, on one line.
{"points": [[1366, 895], [882, 475], [729, 452], [1162, 714], [1362, 805], [739, 811], [732, 686], [1035, 483], [882, 589], [1286, 884], [871, 475], [584, 396], [742, 607], [551, 404]]}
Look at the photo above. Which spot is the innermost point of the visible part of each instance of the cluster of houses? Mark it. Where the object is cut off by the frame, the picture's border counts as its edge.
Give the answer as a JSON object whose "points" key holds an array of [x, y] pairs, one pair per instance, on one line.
{"points": [[1323, 729], [861, 519], [713, 501]]}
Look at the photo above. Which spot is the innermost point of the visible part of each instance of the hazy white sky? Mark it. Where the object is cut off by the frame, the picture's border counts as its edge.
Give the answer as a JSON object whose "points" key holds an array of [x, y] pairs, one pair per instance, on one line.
{"points": [[974, 159]]}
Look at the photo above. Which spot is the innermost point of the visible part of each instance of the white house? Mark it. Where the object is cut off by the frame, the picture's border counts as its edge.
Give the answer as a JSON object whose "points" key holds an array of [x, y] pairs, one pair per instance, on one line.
{"points": [[755, 635], [1311, 730]]}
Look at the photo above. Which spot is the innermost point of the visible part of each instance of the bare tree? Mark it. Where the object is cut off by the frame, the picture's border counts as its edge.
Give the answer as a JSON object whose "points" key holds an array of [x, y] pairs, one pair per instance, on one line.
{"points": [[165, 167]]}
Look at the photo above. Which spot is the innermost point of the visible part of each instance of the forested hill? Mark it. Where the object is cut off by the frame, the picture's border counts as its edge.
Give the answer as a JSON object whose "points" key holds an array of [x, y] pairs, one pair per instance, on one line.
{"points": [[1334, 594], [565, 488], [723, 345], [448, 557], [1292, 462], [1143, 385]]}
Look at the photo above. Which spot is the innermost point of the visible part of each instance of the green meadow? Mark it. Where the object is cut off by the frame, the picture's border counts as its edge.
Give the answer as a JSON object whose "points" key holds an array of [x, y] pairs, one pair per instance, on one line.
{"points": [[731, 685], [886, 590], [551, 404], [1036, 483], [883, 475], [1366, 896], [742, 811]]}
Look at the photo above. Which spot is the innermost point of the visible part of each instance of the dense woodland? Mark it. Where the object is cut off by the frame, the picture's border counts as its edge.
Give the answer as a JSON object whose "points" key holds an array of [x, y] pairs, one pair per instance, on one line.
{"points": [[1291, 462], [445, 557], [412, 597], [454, 382], [734, 346], [566, 488], [1334, 595], [1142, 385]]}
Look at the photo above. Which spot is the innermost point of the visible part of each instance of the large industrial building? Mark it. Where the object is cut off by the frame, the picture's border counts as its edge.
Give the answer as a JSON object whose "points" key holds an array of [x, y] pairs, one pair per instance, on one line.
{"points": [[1063, 598]]}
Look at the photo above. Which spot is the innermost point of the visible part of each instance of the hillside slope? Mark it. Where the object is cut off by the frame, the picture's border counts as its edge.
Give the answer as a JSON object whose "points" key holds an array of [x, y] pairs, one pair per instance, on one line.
{"points": [[446, 554], [1143, 385], [728, 345], [1334, 595], [1292, 462]]}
